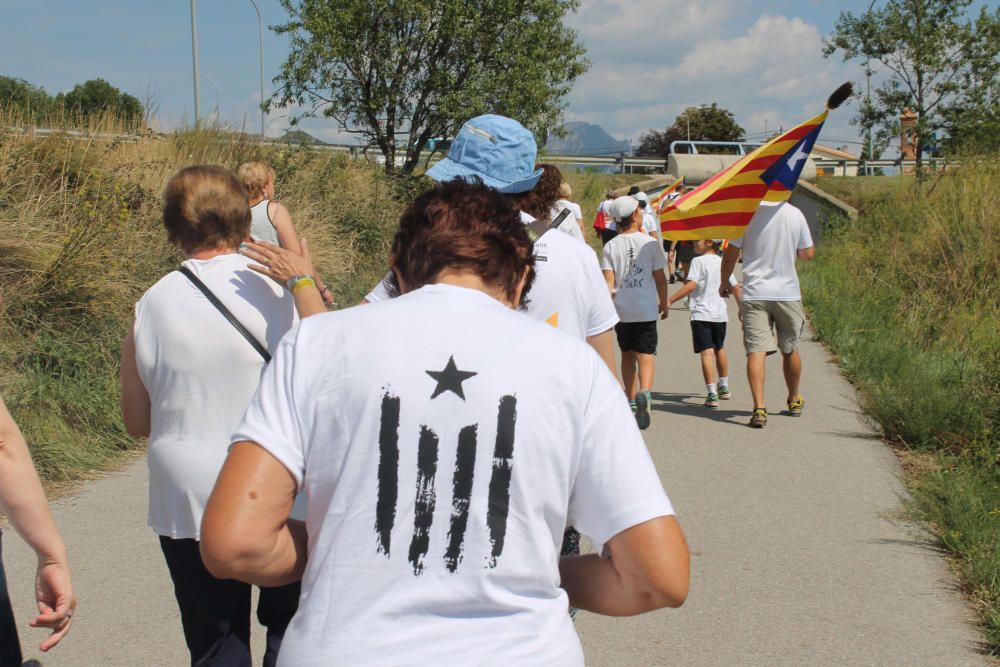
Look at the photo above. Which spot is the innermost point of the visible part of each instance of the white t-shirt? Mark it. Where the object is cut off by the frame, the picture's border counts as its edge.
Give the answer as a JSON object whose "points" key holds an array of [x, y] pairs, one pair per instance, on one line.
{"points": [[441, 473], [633, 257], [609, 220], [200, 374], [650, 223], [706, 304], [569, 291], [775, 234], [570, 224]]}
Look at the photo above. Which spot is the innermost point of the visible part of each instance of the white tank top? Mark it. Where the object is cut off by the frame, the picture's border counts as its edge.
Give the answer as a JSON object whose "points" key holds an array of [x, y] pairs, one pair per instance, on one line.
{"points": [[261, 227], [200, 374]]}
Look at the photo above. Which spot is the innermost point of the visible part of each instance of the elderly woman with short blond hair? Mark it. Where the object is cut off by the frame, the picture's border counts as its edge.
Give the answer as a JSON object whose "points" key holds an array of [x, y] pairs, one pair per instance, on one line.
{"points": [[188, 372]]}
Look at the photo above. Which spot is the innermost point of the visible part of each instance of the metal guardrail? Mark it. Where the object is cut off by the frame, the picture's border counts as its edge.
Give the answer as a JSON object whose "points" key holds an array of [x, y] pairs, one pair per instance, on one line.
{"points": [[620, 162]]}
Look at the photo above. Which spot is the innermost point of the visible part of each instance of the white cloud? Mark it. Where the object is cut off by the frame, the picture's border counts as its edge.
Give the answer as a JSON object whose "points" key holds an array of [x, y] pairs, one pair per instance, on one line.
{"points": [[773, 71]]}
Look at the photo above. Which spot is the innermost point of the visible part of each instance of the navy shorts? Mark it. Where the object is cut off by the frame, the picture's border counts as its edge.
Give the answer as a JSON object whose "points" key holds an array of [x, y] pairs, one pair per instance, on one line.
{"points": [[637, 337], [708, 335]]}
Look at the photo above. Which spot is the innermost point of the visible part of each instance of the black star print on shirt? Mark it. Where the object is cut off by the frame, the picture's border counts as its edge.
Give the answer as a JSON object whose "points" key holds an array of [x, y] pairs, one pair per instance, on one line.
{"points": [[450, 379]]}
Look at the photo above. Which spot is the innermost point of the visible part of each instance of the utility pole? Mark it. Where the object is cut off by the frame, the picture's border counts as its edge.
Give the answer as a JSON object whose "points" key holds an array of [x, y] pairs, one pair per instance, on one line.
{"points": [[260, 35], [194, 60]]}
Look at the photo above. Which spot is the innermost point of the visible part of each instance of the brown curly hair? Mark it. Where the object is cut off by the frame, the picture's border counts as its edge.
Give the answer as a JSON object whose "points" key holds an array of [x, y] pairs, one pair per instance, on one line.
{"points": [[465, 226], [538, 202]]}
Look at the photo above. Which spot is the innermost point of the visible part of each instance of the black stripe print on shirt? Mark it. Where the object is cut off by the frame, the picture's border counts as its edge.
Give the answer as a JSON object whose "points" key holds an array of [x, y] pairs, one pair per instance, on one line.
{"points": [[388, 473], [423, 517], [503, 460], [461, 495]]}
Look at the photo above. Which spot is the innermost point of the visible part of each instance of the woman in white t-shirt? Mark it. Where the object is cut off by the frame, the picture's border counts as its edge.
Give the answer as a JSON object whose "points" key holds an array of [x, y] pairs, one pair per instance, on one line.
{"points": [[442, 470], [576, 213], [709, 317], [187, 375]]}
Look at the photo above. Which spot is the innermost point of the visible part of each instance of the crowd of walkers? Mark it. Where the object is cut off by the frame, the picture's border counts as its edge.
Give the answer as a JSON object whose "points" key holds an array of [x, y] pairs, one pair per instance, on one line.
{"points": [[406, 480]]}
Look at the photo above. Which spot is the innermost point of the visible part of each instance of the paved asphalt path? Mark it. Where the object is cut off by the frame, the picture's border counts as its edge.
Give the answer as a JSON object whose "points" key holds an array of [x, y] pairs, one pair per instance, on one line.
{"points": [[795, 558]]}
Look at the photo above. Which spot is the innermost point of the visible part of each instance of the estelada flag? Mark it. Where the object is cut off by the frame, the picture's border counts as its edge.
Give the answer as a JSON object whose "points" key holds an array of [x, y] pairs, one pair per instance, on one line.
{"points": [[722, 206], [659, 200]]}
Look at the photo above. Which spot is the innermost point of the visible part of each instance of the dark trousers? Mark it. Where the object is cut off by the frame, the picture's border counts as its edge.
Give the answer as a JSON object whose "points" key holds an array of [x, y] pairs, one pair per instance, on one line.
{"points": [[10, 647], [215, 613], [607, 235]]}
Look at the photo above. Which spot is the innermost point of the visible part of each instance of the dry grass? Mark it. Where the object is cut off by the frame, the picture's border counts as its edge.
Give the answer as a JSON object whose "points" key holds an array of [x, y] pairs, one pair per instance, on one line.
{"points": [[81, 239]]}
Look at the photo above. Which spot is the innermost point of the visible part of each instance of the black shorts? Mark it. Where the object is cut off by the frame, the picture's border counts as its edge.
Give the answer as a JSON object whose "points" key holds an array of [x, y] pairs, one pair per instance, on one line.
{"points": [[708, 335], [637, 337], [685, 252]]}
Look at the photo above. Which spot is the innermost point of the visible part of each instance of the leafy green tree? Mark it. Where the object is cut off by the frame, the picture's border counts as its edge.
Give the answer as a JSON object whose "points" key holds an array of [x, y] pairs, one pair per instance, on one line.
{"points": [[702, 123], [940, 64], [402, 72], [30, 102], [97, 96]]}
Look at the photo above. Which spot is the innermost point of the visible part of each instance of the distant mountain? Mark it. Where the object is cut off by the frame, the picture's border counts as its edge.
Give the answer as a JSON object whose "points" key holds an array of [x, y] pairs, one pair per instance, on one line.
{"points": [[300, 137], [584, 139]]}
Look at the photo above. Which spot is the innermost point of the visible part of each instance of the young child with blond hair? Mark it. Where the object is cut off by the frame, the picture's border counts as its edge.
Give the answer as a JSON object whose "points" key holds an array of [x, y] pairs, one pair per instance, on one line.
{"points": [[709, 317]]}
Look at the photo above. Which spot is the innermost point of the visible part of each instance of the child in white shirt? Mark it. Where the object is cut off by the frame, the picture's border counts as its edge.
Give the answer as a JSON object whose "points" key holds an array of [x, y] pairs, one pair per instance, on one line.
{"points": [[709, 317], [633, 265]]}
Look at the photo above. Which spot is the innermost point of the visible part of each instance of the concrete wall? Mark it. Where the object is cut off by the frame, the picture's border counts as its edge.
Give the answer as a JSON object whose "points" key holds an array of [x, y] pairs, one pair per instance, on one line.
{"points": [[697, 169]]}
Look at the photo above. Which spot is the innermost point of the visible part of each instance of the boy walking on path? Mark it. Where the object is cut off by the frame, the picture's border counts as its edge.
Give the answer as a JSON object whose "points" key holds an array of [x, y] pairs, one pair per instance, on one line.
{"points": [[633, 265], [775, 237], [709, 318]]}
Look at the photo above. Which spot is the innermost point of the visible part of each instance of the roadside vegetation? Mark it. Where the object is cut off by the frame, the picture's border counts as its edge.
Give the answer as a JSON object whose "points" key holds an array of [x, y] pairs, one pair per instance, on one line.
{"points": [[80, 240], [908, 298]]}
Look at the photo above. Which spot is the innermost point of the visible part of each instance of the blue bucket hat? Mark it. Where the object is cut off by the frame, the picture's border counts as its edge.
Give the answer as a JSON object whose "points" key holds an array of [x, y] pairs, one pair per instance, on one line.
{"points": [[497, 149]]}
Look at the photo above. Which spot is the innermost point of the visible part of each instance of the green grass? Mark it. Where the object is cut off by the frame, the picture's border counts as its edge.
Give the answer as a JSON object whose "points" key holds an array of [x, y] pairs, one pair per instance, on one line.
{"points": [[861, 192], [907, 298]]}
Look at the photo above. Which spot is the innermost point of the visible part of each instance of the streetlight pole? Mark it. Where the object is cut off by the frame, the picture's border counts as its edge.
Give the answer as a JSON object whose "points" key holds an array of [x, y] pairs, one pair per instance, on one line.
{"points": [[260, 35], [194, 60], [868, 98]]}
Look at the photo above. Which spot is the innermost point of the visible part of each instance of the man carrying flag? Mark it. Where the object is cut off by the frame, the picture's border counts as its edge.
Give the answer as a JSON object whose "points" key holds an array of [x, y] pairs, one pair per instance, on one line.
{"points": [[748, 204]]}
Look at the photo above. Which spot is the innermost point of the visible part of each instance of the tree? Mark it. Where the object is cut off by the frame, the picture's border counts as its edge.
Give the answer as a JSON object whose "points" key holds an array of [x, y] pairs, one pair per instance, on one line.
{"points": [[941, 66], [30, 102], [402, 72], [97, 96], [704, 123]]}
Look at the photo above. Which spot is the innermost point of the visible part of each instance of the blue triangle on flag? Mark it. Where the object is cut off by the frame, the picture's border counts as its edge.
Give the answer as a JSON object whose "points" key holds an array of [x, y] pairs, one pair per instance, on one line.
{"points": [[788, 168]]}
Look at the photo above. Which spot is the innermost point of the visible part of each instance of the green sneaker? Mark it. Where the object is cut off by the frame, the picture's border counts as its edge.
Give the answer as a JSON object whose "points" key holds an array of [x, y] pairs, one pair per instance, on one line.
{"points": [[632, 405], [796, 406], [712, 401], [759, 418], [643, 402], [724, 393]]}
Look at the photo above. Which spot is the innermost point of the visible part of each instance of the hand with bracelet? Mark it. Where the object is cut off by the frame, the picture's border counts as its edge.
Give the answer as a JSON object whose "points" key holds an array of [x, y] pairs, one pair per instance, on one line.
{"points": [[282, 264], [295, 272]]}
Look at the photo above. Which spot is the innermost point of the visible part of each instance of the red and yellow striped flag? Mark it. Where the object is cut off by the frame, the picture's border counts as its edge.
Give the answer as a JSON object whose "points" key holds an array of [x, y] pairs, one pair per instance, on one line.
{"points": [[661, 199], [722, 206]]}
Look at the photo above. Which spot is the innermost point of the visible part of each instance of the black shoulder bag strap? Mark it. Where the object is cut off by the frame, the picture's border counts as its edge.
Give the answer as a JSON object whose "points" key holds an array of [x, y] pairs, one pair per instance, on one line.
{"points": [[227, 314], [538, 227]]}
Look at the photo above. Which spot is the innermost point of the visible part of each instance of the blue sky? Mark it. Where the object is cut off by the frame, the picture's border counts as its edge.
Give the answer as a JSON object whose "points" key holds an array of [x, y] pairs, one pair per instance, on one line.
{"points": [[650, 59]]}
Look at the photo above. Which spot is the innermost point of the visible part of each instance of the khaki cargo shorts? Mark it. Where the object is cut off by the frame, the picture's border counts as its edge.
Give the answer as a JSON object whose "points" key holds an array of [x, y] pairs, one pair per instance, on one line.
{"points": [[761, 318]]}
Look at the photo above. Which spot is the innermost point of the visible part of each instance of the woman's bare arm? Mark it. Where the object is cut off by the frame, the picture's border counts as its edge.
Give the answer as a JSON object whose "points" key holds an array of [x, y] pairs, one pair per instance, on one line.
{"points": [[22, 499], [135, 399], [282, 221], [649, 569], [246, 533]]}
